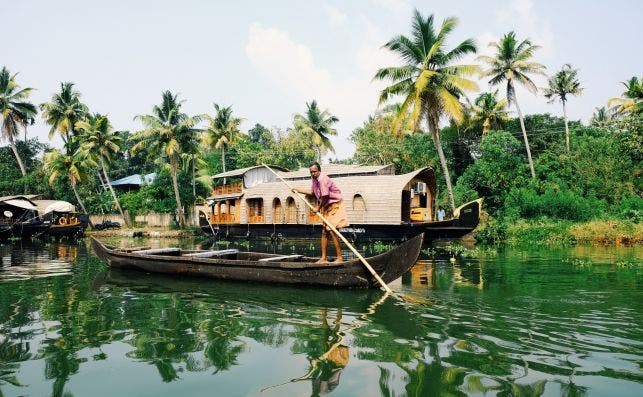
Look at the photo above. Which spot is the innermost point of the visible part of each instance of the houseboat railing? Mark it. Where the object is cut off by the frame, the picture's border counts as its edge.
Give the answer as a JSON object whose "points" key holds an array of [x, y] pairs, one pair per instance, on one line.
{"points": [[231, 188]]}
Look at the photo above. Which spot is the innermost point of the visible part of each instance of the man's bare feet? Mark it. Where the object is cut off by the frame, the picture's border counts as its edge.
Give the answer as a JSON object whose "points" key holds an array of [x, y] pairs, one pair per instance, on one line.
{"points": [[338, 260], [322, 260]]}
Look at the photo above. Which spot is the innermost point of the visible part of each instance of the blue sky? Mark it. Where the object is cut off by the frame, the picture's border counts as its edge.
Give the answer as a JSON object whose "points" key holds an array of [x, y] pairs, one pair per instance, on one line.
{"points": [[268, 58]]}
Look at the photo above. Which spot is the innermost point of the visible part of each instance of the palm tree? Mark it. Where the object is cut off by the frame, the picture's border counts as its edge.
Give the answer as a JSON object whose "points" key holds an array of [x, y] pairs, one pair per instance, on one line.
{"points": [[192, 158], [632, 100], [63, 112], [318, 126], [429, 81], [600, 118], [222, 130], [166, 132], [16, 112], [490, 111], [563, 83], [100, 141], [75, 166], [511, 63]]}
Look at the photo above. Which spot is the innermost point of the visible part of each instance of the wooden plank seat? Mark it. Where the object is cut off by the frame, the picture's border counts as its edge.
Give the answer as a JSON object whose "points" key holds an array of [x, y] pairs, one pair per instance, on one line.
{"points": [[280, 258], [210, 254], [134, 249], [158, 251]]}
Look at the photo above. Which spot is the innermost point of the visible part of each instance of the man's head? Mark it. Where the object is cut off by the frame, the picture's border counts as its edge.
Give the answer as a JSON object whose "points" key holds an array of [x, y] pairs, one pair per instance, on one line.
{"points": [[315, 170]]}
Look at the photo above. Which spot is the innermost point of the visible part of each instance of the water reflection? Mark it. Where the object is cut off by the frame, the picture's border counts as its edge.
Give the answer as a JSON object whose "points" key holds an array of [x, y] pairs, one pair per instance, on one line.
{"points": [[512, 324], [35, 259]]}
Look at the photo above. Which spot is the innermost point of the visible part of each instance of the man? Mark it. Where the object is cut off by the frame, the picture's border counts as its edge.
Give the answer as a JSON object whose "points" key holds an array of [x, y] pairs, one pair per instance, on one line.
{"points": [[330, 205], [441, 214]]}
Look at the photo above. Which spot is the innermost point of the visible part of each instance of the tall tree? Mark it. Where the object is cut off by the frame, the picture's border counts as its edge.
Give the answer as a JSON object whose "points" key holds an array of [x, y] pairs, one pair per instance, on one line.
{"points": [[490, 111], [600, 118], [511, 63], [63, 112], [631, 101], [16, 112], [165, 135], [99, 141], [317, 125], [75, 167], [561, 85], [430, 81], [222, 130]]}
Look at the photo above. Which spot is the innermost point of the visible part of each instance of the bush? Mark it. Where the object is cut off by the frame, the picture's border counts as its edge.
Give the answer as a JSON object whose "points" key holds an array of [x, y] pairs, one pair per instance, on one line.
{"points": [[492, 231], [630, 208], [559, 204]]}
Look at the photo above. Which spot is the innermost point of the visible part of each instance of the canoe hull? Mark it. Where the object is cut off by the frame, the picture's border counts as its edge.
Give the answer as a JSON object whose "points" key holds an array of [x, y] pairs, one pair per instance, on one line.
{"points": [[350, 274]]}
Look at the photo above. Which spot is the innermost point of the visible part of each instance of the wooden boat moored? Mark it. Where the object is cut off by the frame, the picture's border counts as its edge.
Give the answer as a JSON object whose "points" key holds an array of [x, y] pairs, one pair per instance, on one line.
{"points": [[263, 267]]}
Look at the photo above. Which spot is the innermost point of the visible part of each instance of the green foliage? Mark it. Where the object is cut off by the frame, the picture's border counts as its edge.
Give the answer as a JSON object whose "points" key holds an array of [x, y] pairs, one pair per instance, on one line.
{"points": [[630, 208], [292, 151], [560, 204], [159, 197], [493, 231], [11, 180], [542, 231], [498, 168], [597, 166], [375, 144], [546, 132], [261, 135]]}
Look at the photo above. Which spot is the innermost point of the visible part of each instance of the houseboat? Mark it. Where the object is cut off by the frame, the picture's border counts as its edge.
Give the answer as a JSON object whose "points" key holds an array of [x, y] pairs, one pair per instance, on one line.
{"points": [[380, 205], [17, 217], [25, 217]]}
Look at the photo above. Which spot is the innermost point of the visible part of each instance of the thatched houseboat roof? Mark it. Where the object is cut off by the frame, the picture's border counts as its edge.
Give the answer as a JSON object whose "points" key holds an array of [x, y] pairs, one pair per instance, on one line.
{"points": [[370, 199]]}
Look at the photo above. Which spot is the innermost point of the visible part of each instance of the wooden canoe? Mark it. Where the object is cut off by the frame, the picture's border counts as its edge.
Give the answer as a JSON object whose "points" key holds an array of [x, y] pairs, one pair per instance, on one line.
{"points": [[263, 267]]}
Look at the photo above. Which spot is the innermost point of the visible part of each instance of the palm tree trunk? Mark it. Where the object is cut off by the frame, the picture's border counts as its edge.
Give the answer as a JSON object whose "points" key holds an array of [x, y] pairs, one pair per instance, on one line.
{"points": [[566, 126], [175, 182], [102, 183], [111, 189], [435, 134], [524, 135], [23, 170], [80, 202], [223, 161]]}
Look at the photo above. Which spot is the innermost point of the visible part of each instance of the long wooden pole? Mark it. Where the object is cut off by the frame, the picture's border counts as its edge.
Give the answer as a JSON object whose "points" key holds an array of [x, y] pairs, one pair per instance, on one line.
{"points": [[331, 227]]}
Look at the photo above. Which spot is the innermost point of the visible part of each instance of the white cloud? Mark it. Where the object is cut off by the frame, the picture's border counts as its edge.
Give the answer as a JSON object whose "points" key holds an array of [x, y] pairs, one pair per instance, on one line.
{"points": [[291, 65], [336, 16], [521, 17], [396, 6]]}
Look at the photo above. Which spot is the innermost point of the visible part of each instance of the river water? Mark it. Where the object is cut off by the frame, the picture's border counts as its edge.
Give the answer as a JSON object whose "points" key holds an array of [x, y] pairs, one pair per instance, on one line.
{"points": [[505, 322]]}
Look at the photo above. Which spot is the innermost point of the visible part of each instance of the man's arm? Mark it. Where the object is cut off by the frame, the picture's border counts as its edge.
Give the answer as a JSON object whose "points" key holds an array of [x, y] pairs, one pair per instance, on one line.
{"points": [[306, 191]]}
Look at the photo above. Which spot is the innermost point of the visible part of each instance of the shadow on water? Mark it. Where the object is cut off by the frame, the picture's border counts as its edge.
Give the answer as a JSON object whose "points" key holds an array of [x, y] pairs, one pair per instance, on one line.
{"points": [[512, 323]]}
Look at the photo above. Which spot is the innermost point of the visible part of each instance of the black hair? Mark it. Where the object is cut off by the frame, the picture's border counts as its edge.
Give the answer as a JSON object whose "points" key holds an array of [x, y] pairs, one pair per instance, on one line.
{"points": [[316, 164]]}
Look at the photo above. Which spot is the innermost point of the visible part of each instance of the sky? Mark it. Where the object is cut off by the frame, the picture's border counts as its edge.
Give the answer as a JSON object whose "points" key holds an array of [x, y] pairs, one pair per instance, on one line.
{"points": [[267, 59]]}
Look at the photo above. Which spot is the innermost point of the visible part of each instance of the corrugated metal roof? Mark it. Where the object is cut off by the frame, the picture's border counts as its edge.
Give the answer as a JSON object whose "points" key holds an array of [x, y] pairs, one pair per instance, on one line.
{"points": [[242, 171], [337, 170], [136, 179]]}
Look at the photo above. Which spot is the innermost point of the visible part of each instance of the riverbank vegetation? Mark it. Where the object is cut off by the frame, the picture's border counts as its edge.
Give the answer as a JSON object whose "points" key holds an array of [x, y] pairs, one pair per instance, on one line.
{"points": [[544, 178]]}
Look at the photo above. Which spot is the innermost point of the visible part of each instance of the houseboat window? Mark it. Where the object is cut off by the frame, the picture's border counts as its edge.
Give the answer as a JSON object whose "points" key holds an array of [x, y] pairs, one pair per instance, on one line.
{"points": [[359, 208], [277, 211], [291, 210], [255, 210]]}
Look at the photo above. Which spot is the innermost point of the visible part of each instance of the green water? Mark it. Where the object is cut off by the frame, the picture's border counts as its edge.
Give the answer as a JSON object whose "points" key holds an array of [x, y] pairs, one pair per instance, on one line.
{"points": [[565, 322]]}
